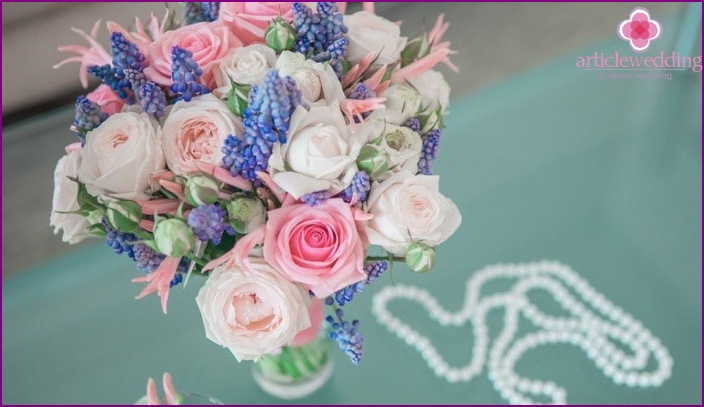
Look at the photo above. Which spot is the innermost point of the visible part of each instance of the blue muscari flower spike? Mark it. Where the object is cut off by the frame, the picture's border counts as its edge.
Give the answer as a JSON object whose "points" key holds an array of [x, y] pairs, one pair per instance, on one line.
{"points": [[125, 55], [266, 121], [111, 77], [345, 295], [375, 269], [211, 10], [135, 78], [88, 114], [185, 74], [333, 55], [209, 222], [362, 91], [320, 35], [347, 336], [192, 13], [120, 242], [152, 99], [431, 149], [413, 123], [360, 186], [147, 258], [198, 12], [315, 198], [178, 278]]}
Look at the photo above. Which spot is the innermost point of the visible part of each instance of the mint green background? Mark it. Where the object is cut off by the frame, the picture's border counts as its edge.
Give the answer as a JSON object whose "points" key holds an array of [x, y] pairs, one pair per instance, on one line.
{"points": [[602, 175]]}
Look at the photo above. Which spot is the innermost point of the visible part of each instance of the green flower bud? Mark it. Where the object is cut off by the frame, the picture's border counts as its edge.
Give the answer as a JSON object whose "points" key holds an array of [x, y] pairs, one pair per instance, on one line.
{"points": [[429, 120], [201, 190], [173, 237], [238, 98], [246, 214], [280, 36], [123, 215], [420, 257], [373, 161]]}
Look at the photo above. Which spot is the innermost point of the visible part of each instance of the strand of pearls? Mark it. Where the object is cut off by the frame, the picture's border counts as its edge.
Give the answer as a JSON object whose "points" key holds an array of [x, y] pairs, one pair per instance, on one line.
{"points": [[593, 332]]}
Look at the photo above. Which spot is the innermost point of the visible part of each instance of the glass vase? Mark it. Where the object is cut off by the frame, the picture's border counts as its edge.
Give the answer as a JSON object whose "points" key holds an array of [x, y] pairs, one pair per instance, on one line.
{"points": [[297, 371]]}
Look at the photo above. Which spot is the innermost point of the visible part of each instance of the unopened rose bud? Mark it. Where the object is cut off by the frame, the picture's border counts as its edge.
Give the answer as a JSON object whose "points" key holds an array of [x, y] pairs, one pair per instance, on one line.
{"points": [[430, 120], [420, 257], [173, 237], [123, 215], [238, 98], [373, 161], [201, 190], [246, 214], [280, 36]]}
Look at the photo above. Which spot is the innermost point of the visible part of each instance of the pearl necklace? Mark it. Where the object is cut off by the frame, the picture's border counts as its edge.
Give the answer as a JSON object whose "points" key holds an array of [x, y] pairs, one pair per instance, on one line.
{"points": [[588, 330]]}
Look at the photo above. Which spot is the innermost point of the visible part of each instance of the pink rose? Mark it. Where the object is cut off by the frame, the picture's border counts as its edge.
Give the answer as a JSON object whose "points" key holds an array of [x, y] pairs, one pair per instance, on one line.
{"points": [[320, 247], [249, 20], [209, 42], [196, 131], [252, 314], [108, 101], [316, 312]]}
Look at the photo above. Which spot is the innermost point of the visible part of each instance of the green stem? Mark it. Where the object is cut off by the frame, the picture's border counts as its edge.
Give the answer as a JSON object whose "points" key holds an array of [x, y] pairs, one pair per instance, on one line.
{"points": [[389, 258]]}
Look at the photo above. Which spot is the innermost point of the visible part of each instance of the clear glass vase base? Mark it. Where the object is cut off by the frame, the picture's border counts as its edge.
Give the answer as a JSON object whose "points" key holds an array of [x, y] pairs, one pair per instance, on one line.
{"points": [[296, 389]]}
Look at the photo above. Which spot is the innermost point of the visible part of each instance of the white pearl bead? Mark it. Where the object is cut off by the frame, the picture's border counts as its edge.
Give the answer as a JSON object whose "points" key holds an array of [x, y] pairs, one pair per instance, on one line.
{"points": [[593, 333]]}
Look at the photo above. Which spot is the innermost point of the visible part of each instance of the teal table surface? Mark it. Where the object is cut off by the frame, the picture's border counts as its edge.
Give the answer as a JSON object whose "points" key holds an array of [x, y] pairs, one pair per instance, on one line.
{"points": [[602, 175]]}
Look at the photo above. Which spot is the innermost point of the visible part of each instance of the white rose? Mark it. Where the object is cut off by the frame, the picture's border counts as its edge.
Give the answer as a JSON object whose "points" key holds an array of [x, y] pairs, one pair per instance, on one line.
{"points": [[320, 154], [196, 131], [74, 227], [317, 82], [434, 91], [120, 155], [252, 314], [367, 33], [246, 66], [368, 130], [402, 103], [404, 147], [407, 208]]}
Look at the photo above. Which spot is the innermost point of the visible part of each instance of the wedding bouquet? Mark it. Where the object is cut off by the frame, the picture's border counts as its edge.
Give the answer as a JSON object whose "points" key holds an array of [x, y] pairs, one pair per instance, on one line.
{"points": [[268, 147]]}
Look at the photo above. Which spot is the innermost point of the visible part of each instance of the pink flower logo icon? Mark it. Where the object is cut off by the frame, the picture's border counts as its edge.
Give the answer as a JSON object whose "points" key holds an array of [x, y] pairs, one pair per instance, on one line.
{"points": [[639, 29]]}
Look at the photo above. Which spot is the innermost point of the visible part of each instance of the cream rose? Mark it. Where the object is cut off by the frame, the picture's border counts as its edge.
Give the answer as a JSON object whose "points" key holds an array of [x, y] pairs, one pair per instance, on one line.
{"points": [[246, 66], [317, 82], [120, 155], [434, 91], [252, 314], [74, 227], [404, 147], [196, 131], [408, 208], [320, 154], [402, 103], [371, 33]]}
